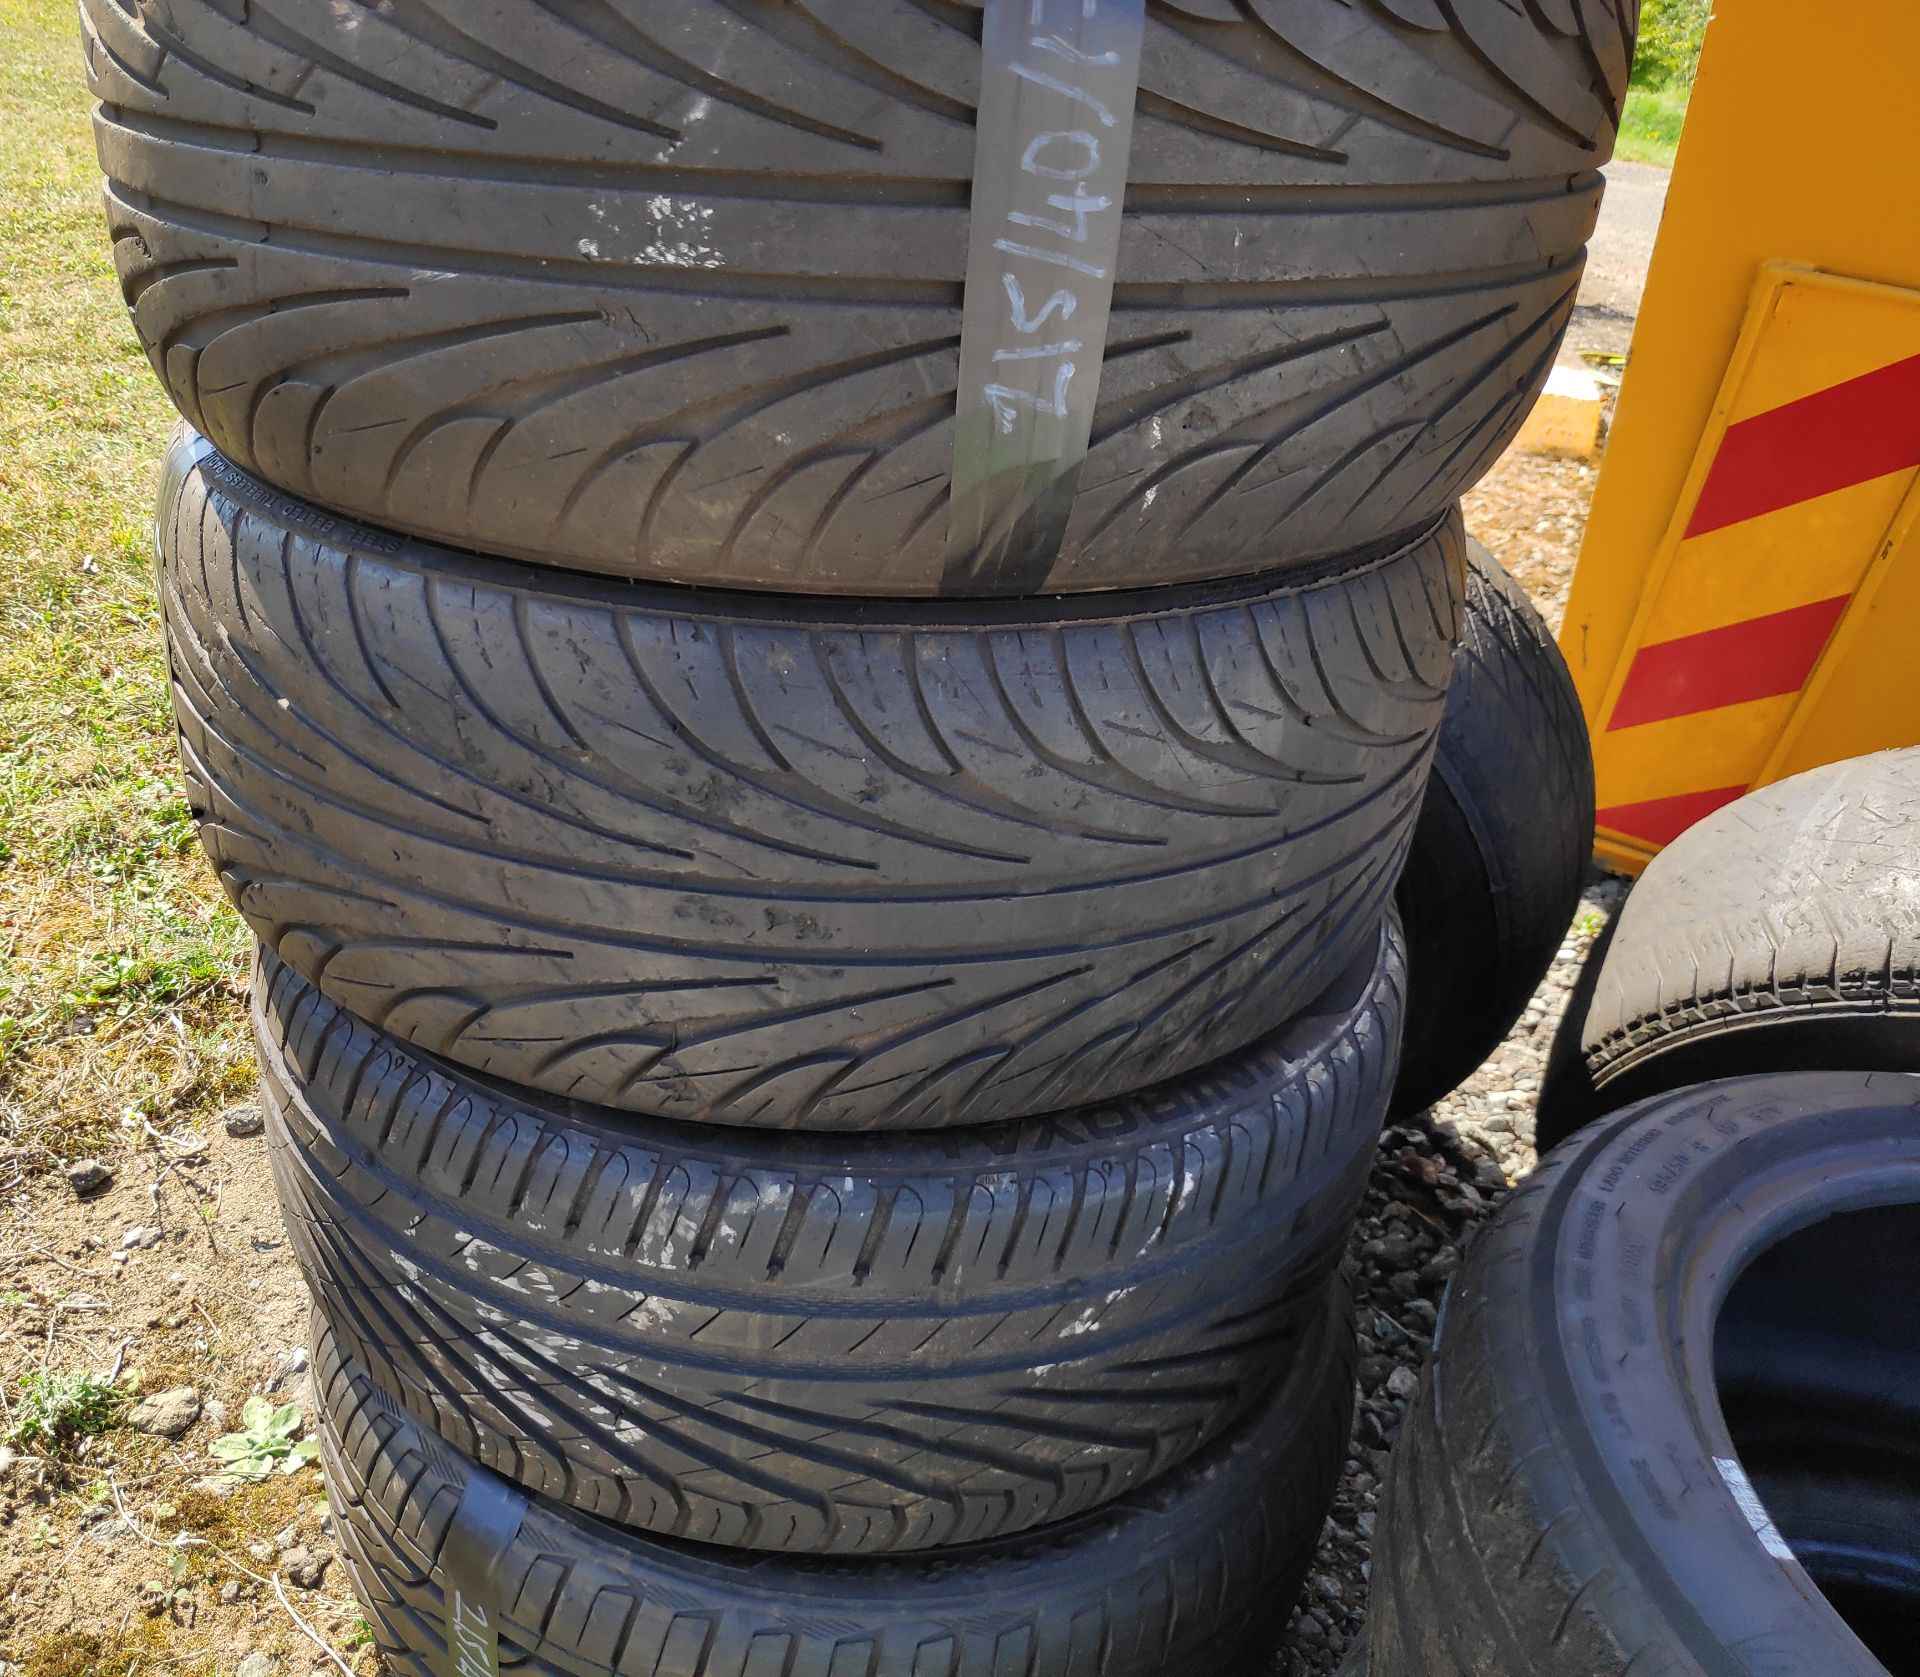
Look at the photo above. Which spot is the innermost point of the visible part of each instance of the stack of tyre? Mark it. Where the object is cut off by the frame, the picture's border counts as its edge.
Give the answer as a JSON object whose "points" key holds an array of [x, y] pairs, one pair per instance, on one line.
{"points": [[820, 1094]]}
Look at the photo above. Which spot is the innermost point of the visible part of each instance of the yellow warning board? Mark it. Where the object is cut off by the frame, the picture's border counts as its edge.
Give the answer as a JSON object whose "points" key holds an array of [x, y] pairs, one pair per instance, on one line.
{"points": [[1750, 575], [1802, 492]]}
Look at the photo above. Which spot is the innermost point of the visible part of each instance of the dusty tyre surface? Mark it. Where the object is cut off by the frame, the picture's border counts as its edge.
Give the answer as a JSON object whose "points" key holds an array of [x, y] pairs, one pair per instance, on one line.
{"points": [[672, 288], [1188, 1578], [1493, 876], [867, 870], [1781, 933], [857, 1347], [1598, 1473]]}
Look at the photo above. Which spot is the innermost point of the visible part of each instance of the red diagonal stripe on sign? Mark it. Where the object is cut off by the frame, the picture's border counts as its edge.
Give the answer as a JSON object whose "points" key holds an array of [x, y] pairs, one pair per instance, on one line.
{"points": [[1662, 820], [1852, 433], [1757, 659]]}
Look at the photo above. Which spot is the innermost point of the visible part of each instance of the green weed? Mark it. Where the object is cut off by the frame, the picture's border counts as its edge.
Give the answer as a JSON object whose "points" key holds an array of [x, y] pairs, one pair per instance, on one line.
{"points": [[268, 1442], [1671, 34], [57, 1409]]}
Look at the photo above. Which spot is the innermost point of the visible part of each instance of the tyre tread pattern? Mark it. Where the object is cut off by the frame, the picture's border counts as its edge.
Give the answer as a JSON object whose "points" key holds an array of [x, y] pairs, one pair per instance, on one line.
{"points": [[859, 1349], [634, 848], [1494, 875], [1786, 909], [1552, 1503], [674, 290], [1184, 1580], [1487, 1557]]}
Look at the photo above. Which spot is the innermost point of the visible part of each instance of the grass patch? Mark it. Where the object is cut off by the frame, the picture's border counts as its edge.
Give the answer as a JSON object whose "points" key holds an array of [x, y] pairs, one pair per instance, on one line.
{"points": [[1650, 124], [120, 965], [142, 1644]]}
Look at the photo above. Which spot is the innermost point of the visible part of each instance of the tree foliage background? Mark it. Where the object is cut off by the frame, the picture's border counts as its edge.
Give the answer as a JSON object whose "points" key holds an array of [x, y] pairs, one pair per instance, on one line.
{"points": [[1670, 35]]}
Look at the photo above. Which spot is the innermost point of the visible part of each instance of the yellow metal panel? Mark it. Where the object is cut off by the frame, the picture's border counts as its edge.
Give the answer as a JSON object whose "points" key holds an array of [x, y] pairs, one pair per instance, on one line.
{"points": [[1688, 753], [1760, 176], [1623, 855], [1745, 602], [1866, 694], [1770, 564], [1813, 345]]}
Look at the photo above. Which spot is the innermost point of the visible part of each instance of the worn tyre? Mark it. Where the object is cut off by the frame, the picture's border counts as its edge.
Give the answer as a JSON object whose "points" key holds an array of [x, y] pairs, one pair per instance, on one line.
{"points": [[830, 1347], [1781, 933], [1189, 1578], [672, 289], [715, 861], [1599, 1472], [1493, 878]]}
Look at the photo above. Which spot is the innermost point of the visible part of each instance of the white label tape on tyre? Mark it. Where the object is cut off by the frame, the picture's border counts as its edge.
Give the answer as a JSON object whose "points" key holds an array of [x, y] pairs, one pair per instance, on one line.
{"points": [[1059, 79], [483, 1530], [1755, 1510]]}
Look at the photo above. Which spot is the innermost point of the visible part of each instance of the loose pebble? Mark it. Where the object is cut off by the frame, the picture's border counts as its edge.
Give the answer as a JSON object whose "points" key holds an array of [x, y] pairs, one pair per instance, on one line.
{"points": [[166, 1414], [241, 1122], [87, 1177]]}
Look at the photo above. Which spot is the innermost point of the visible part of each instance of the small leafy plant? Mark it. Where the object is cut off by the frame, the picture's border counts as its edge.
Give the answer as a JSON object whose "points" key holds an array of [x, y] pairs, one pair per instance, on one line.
{"points": [[58, 1408], [268, 1441]]}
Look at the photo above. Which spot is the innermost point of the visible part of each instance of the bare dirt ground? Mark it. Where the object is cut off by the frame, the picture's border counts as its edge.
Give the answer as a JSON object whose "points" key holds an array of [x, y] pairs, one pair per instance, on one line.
{"points": [[1532, 514], [122, 1550]]}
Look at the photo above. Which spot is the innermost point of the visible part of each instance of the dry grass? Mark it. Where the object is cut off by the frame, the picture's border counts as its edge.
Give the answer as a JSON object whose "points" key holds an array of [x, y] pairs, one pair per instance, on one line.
{"points": [[119, 965]]}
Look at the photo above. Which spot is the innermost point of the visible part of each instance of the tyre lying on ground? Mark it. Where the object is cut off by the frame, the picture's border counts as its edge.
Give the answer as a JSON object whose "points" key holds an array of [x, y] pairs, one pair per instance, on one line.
{"points": [[1188, 1578], [824, 1346], [674, 290], [1780, 933], [718, 859], [1820, 1379], [1505, 833], [1662, 1380]]}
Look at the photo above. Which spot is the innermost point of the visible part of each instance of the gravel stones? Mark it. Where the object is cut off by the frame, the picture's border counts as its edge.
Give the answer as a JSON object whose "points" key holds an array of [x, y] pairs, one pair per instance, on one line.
{"points": [[1436, 1178], [304, 1569]]}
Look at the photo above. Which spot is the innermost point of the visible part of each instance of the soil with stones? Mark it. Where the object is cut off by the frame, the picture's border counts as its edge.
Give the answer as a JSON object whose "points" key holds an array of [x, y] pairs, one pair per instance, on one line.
{"points": [[123, 1546]]}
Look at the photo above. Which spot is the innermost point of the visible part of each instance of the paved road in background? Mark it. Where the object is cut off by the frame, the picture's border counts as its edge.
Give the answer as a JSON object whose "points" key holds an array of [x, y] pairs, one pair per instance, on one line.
{"points": [[1617, 263]]}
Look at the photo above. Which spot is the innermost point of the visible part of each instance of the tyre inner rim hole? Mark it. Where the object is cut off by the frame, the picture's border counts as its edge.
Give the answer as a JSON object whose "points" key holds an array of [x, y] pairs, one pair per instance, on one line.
{"points": [[1817, 1363]]}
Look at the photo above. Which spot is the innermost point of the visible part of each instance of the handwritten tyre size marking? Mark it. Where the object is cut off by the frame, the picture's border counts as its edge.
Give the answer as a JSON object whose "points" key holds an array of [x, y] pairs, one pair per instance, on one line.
{"points": [[1058, 84], [484, 1528]]}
